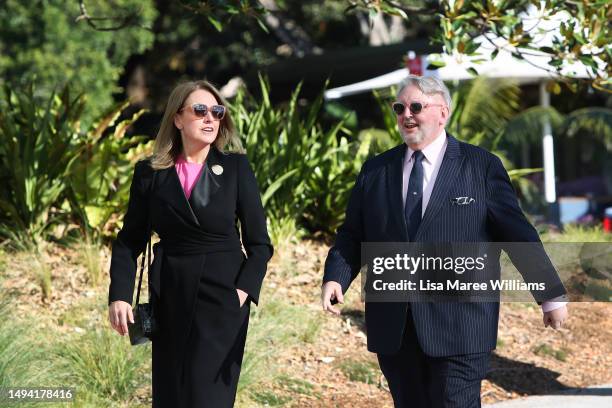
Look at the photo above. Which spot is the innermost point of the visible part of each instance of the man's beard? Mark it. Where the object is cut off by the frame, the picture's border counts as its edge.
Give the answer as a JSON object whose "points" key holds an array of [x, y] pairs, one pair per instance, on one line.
{"points": [[413, 138]]}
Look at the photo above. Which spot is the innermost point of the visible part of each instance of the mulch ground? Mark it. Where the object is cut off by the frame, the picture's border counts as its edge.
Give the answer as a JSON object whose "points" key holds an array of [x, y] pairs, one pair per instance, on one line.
{"points": [[335, 369], [529, 359]]}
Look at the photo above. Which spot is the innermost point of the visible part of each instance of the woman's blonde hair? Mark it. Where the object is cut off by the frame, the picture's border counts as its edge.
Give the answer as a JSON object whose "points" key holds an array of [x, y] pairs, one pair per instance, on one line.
{"points": [[168, 143]]}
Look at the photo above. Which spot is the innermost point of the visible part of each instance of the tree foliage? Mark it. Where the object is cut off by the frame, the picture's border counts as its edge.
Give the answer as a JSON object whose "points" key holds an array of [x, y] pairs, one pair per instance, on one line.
{"points": [[51, 41], [583, 37]]}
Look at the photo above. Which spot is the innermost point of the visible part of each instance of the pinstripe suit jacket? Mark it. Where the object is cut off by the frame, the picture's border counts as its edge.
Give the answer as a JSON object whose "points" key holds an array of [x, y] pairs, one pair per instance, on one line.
{"points": [[375, 214]]}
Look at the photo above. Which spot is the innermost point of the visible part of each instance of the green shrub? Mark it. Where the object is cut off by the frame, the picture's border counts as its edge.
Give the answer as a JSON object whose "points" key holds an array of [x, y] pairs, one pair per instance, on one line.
{"points": [[99, 178], [37, 145], [46, 158], [305, 172]]}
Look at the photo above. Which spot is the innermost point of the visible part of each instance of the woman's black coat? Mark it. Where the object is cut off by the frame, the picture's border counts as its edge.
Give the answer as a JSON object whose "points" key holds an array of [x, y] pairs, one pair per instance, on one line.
{"points": [[198, 263]]}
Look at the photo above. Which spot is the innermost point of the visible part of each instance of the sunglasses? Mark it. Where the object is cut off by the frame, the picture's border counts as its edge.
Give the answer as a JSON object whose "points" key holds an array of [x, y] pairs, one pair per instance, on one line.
{"points": [[415, 107], [200, 110]]}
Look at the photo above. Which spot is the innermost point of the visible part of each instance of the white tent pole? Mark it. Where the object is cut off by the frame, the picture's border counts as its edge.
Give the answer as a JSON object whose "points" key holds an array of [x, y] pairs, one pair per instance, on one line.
{"points": [[548, 149]]}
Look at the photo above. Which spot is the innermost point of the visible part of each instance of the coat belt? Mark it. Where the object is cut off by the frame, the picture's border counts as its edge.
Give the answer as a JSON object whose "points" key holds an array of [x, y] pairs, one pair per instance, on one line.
{"points": [[184, 248]]}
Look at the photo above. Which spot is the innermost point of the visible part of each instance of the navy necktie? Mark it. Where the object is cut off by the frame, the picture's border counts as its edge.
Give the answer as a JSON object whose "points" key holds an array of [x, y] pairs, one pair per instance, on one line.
{"points": [[414, 196]]}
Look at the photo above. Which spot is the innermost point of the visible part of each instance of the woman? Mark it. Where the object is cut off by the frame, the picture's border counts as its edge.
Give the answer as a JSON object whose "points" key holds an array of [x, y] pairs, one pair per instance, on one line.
{"points": [[192, 194]]}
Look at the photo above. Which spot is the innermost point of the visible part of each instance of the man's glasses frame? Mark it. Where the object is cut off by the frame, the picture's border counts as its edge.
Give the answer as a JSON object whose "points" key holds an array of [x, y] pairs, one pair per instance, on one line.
{"points": [[200, 110], [415, 107]]}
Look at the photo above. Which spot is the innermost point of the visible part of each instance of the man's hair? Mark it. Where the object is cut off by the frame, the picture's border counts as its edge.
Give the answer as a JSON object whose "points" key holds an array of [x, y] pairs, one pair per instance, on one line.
{"points": [[429, 86]]}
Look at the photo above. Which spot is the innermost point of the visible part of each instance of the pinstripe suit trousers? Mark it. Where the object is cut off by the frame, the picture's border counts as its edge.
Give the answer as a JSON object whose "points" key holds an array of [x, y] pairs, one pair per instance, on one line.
{"points": [[417, 380]]}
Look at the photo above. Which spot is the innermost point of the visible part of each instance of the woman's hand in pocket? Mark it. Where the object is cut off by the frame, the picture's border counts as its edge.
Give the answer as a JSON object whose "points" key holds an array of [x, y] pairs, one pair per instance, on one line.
{"points": [[242, 296], [119, 313]]}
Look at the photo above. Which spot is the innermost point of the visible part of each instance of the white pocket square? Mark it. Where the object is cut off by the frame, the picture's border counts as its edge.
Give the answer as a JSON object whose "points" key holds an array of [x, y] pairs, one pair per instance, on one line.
{"points": [[462, 200]]}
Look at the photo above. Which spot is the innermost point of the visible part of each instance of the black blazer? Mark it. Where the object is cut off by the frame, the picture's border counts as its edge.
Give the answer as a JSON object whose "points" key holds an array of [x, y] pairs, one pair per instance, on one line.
{"points": [[375, 214]]}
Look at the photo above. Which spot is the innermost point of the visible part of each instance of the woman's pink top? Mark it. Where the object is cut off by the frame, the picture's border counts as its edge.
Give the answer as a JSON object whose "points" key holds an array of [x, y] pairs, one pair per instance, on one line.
{"points": [[188, 174]]}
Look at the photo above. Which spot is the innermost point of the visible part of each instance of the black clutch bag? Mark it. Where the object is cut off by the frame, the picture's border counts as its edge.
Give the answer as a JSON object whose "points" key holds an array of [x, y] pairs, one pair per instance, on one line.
{"points": [[144, 327]]}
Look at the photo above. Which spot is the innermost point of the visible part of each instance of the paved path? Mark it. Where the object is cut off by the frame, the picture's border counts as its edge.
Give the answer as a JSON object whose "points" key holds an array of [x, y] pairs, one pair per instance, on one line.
{"points": [[592, 397]]}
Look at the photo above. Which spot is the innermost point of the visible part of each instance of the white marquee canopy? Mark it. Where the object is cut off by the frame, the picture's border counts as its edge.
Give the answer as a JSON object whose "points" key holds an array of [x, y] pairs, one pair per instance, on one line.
{"points": [[533, 68]]}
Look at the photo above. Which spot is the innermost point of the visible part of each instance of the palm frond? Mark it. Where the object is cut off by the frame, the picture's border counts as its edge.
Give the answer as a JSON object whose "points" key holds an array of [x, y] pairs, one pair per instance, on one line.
{"points": [[597, 121], [526, 126], [483, 105]]}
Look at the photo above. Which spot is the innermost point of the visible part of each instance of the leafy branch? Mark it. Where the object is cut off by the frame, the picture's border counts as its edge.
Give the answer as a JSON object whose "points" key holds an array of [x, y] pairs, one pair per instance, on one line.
{"points": [[131, 18]]}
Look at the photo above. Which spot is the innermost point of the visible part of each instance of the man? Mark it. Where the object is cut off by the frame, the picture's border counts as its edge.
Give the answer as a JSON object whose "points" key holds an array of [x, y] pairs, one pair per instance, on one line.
{"points": [[433, 354]]}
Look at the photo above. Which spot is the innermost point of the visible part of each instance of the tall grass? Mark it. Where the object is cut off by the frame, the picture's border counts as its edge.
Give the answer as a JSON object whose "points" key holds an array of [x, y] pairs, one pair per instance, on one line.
{"points": [[28, 258], [274, 326], [22, 364], [104, 367], [361, 371], [284, 232], [42, 273], [90, 257]]}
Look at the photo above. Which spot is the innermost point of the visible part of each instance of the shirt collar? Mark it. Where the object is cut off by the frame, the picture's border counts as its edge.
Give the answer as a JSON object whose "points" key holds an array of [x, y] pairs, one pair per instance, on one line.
{"points": [[432, 151]]}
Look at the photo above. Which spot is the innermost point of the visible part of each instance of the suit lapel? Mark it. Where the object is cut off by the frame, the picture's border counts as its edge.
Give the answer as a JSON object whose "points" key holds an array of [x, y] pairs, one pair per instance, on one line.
{"points": [[170, 189], [449, 169], [207, 184], [395, 169]]}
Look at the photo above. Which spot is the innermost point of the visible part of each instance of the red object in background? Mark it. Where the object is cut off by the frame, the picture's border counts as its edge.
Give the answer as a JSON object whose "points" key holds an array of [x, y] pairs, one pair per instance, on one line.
{"points": [[414, 65], [607, 221]]}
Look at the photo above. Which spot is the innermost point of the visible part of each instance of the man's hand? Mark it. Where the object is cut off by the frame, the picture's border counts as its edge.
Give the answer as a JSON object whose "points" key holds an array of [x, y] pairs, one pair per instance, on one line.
{"points": [[331, 290], [555, 318]]}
